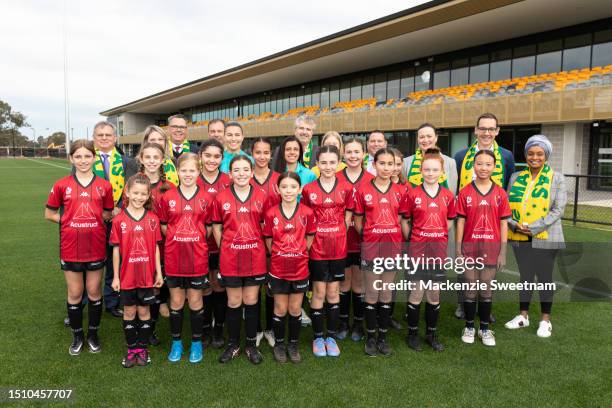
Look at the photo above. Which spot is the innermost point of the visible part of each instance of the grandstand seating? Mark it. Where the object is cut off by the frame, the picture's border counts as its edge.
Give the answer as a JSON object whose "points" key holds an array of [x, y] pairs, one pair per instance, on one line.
{"points": [[550, 82]]}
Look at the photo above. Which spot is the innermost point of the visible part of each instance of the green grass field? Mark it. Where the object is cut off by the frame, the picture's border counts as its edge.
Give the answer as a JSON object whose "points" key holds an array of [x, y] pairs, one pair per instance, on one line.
{"points": [[572, 368]]}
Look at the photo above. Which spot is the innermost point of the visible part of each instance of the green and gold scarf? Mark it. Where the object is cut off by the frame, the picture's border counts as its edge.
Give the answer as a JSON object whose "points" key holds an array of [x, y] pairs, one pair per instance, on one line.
{"points": [[115, 172], [415, 178], [530, 200], [467, 168], [308, 155], [170, 171]]}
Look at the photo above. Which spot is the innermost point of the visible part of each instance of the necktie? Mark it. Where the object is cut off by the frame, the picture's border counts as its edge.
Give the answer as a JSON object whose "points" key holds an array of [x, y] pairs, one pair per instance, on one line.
{"points": [[177, 150], [105, 164]]}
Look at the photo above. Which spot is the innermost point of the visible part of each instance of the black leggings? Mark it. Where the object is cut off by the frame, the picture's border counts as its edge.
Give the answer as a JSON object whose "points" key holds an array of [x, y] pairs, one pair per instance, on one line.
{"points": [[535, 263]]}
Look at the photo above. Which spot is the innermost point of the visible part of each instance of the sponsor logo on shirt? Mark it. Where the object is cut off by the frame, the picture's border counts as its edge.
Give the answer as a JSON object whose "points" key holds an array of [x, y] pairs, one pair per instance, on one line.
{"points": [[188, 208], [483, 202], [138, 228], [328, 201], [243, 210], [84, 194]]}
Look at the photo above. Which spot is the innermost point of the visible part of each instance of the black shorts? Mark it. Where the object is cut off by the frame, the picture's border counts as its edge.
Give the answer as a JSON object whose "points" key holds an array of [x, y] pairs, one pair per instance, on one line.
{"points": [[137, 297], [241, 281], [328, 270], [82, 266], [187, 282], [278, 286], [353, 258], [213, 261]]}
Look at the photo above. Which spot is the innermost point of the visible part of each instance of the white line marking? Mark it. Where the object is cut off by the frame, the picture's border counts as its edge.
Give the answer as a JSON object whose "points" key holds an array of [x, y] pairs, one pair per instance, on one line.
{"points": [[48, 164]]}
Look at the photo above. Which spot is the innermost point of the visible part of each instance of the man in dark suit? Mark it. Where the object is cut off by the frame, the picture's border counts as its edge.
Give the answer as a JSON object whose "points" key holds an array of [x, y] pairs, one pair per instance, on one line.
{"points": [[304, 129], [177, 125]]}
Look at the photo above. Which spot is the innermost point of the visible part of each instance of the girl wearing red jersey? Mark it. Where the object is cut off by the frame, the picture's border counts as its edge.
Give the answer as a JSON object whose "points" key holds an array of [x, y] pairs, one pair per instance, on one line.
{"points": [[185, 219], [238, 214], [377, 205], [329, 199], [431, 209], [482, 231], [212, 180], [289, 228], [266, 179], [136, 235], [151, 157], [355, 175], [81, 203]]}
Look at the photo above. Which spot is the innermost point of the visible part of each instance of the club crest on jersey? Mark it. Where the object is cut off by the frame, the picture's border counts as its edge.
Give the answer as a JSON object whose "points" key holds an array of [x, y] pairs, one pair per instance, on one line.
{"points": [[100, 191], [303, 220], [497, 200], [445, 199], [202, 204], [367, 197], [313, 196], [152, 224], [342, 194], [258, 205], [468, 201], [226, 206], [172, 204], [68, 191]]}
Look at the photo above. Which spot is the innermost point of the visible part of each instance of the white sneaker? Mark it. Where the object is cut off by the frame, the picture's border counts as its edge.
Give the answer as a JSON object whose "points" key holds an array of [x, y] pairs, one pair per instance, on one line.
{"points": [[487, 337], [518, 322], [468, 334], [305, 319], [258, 338], [545, 329], [269, 335]]}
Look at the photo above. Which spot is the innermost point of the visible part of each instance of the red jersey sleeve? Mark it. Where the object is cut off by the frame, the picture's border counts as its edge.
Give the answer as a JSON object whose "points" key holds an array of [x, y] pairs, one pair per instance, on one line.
{"points": [[267, 227], [158, 234], [311, 225], [452, 208], [306, 197], [405, 208], [115, 232], [460, 204], [504, 209], [108, 204], [215, 216], [54, 201], [162, 213], [350, 199], [359, 208]]}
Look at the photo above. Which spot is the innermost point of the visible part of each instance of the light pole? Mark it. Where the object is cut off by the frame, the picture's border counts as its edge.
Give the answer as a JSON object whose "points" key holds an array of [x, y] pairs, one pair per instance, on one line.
{"points": [[33, 131]]}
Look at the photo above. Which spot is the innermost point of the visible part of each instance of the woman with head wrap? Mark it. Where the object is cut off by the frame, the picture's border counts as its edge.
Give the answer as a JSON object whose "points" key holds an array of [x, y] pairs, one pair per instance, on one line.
{"points": [[537, 198]]}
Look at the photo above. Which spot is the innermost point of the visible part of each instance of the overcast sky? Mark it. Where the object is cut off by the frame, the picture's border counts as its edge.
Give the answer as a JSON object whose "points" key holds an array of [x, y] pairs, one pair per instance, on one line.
{"points": [[119, 51]]}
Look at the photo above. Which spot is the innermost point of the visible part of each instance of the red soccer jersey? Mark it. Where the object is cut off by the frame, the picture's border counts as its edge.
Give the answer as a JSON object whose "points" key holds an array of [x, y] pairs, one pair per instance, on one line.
{"points": [[222, 182], [243, 251], [429, 232], [185, 251], [137, 241], [289, 250], [329, 208], [482, 213], [82, 228], [382, 235], [157, 194], [270, 186], [353, 239]]}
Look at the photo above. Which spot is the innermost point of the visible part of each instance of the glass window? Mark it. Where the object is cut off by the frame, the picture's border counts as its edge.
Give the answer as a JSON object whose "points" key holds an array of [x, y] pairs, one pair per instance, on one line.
{"points": [[479, 69], [300, 98], [460, 71], [422, 78], [407, 82], [441, 75], [523, 66], [307, 96], [380, 87], [325, 96], [500, 70], [524, 51], [316, 95], [602, 54], [393, 85], [345, 91], [548, 62], [578, 41], [268, 103], [292, 99], [576, 58], [367, 87], [285, 102], [334, 93], [355, 89]]}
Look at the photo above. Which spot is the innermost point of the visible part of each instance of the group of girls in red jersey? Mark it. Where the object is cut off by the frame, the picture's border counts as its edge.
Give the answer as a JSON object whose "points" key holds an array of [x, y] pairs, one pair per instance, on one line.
{"points": [[272, 231]]}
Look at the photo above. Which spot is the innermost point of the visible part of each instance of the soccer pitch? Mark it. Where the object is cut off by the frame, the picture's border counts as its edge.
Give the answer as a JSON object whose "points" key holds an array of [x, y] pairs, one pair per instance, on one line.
{"points": [[572, 368]]}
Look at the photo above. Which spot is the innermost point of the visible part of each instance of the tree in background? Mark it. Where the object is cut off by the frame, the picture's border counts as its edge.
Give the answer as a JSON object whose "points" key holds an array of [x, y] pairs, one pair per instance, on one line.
{"points": [[10, 122]]}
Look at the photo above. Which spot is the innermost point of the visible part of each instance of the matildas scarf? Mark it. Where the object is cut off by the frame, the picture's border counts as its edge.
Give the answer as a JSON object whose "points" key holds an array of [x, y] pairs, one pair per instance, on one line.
{"points": [[308, 155], [467, 168], [116, 175], [414, 173], [170, 171], [530, 200]]}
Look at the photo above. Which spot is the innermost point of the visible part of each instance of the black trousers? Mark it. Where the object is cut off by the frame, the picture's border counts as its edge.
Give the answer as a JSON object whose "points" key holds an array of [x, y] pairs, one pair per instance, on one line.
{"points": [[535, 263]]}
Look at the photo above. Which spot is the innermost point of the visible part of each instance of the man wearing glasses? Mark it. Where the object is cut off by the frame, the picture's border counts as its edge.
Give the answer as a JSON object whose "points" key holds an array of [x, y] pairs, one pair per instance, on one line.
{"points": [[177, 124], [486, 131]]}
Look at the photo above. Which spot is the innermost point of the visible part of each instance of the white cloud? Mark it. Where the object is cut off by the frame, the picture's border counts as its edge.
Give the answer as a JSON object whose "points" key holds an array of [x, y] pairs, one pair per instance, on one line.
{"points": [[119, 51]]}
